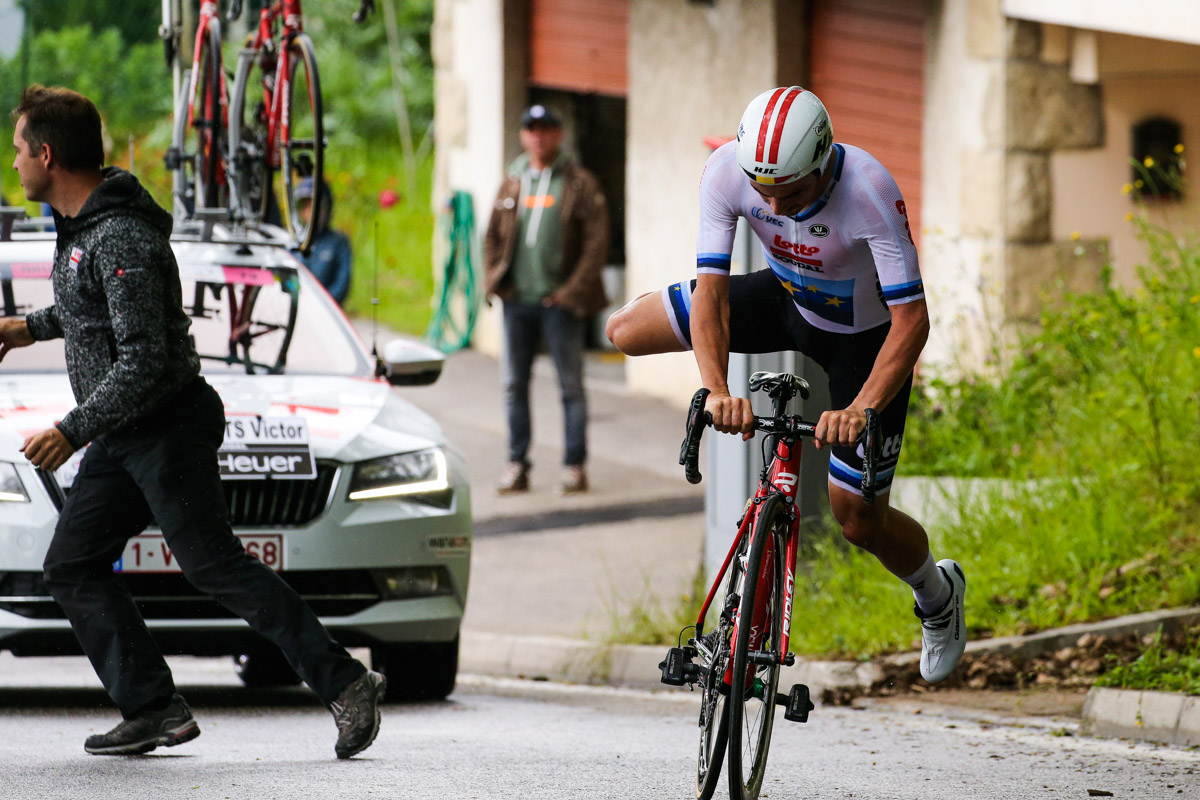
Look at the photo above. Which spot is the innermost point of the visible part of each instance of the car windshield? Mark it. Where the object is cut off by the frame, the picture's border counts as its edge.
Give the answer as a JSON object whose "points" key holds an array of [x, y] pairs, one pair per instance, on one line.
{"points": [[245, 319]]}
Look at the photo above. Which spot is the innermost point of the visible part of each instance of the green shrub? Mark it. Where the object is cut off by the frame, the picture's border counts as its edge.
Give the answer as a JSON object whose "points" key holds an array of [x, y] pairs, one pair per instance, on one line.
{"points": [[1160, 668]]}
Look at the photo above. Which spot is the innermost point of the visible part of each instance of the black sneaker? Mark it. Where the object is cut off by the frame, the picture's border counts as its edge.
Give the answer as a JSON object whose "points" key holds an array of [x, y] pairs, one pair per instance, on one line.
{"points": [[169, 727], [356, 712]]}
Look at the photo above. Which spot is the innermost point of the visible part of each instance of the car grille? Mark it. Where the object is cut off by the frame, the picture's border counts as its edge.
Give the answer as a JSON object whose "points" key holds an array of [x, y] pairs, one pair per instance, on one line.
{"points": [[258, 504], [330, 593]]}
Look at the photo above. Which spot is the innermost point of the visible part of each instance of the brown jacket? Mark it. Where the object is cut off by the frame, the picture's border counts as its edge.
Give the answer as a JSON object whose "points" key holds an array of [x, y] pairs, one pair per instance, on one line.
{"points": [[584, 216]]}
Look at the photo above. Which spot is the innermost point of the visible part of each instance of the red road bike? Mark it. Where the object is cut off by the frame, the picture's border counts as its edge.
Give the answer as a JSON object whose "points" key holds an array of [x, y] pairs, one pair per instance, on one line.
{"points": [[736, 664], [247, 152]]}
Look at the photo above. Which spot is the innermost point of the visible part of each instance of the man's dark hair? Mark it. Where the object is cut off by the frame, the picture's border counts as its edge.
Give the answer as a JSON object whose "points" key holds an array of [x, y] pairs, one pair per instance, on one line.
{"points": [[65, 120]]}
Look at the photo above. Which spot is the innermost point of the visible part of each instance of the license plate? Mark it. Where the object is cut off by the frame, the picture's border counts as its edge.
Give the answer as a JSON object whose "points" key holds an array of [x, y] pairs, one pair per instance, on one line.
{"points": [[148, 552]]}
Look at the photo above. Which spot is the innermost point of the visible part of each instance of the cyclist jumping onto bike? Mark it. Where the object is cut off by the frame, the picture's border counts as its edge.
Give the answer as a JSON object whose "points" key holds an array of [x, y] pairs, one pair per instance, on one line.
{"points": [[844, 288]]}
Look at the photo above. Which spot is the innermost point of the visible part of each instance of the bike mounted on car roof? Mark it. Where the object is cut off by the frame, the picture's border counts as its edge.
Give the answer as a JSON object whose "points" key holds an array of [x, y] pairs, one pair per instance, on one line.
{"points": [[240, 151]]}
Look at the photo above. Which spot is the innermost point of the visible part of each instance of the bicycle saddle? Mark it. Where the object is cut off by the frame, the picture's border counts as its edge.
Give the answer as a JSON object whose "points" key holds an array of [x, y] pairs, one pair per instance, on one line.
{"points": [[776, 383]]}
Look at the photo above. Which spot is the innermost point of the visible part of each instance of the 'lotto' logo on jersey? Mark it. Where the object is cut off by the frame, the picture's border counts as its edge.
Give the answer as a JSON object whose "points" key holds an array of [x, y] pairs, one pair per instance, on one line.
{"points": [[760, 213], [799, 248]]}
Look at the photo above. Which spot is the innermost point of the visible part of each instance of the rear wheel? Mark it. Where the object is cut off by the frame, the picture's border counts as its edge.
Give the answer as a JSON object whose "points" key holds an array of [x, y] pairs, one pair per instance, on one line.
{"points": [[714, 696], [419, 670], [265, 667], [302, 142], [754, 680], [199, 141]]}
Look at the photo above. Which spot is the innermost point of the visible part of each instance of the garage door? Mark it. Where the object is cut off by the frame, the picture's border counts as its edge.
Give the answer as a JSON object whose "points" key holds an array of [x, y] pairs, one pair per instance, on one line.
{"points": [[868, 67], [579, 45]]}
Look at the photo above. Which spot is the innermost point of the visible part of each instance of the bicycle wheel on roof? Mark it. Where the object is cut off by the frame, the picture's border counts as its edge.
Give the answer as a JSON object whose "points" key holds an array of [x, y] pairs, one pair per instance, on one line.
{"points": [[302, 144], [199, 140]]}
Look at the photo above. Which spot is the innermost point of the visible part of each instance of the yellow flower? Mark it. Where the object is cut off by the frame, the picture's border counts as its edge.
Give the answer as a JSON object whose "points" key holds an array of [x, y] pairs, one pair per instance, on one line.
{"points": [[1127, 188], [1178, 149], [1138, 183], [1196, 352], [1075, 236], [1195, 298], [1148, 161], [1129, 216]]}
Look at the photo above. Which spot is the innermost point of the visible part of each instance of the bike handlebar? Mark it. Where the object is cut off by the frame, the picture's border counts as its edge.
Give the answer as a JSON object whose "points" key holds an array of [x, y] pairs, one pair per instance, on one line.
{"points": [[698, 419]]}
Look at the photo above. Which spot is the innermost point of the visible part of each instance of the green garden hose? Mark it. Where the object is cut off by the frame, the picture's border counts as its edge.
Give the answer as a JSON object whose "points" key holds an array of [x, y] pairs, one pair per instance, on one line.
{"points": [[457, 301]]}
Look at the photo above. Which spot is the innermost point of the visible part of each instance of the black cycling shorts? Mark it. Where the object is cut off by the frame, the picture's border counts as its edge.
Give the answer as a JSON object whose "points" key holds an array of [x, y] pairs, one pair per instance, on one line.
{"points": [[763, 319]]}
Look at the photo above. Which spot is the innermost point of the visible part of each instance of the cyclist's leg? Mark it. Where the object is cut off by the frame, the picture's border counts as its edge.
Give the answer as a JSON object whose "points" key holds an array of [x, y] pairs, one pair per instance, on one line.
{"points": [[660, 322], [896, 539]]}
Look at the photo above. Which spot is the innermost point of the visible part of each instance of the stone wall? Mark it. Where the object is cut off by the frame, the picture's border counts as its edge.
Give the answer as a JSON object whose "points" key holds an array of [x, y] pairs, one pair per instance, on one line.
{"points": [[1045, 111]]}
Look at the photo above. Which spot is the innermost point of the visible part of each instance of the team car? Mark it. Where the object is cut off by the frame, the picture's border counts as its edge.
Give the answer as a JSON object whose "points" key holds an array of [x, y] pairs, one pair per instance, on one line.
{"points": [[331, 477]]}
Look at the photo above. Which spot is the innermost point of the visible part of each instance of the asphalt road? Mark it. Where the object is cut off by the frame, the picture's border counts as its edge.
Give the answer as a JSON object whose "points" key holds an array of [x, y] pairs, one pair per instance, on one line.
{"points": [[523, 740]]}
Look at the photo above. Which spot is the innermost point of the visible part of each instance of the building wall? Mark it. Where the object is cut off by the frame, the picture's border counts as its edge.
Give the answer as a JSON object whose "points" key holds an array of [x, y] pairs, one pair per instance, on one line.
{"points": [[479, 88], [1087, 185], [692, 70], [963, 179]]}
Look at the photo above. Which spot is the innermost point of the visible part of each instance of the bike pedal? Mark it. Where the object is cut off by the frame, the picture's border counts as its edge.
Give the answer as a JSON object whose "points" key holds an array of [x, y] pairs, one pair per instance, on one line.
{"points": [[677, 668], [797, 703]]}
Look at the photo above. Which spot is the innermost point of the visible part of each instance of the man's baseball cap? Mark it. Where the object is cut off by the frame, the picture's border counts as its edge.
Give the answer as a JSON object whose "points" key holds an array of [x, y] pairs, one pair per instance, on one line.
{"points": [[539, 113]]}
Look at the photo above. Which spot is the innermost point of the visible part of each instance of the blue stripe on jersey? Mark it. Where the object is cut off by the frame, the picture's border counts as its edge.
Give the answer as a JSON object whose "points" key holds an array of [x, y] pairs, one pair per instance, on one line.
{"points": [[815, 208], [901, 290], [713, 260]]}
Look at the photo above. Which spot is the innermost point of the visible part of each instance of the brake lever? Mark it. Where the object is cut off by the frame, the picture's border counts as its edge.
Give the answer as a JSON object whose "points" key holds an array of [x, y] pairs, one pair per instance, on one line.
{"points": [[689, 451], [872, 452]]}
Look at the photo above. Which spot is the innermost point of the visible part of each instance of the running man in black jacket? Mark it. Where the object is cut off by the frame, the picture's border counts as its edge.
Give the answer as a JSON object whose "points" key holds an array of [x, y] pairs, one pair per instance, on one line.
{"points": [[154, 426]]}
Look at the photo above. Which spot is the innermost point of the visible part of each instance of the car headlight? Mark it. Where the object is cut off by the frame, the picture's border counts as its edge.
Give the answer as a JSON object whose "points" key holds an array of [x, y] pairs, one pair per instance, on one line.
{"points": [[11, 488], [422, 472]]}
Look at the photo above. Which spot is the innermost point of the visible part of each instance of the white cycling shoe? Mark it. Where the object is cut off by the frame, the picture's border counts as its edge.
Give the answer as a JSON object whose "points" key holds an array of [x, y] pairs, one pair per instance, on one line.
{"points": [[944, 632]]}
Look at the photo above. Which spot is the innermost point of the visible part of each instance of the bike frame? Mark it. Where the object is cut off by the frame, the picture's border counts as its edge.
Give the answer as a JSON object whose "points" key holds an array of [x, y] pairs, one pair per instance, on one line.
{"points": [[290, 14], [209, 17], [782, 477]]}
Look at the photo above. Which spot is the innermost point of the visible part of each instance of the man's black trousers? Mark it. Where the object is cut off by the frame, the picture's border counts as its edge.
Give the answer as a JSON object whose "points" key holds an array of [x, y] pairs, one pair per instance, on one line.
{"points": [[164, 468]]}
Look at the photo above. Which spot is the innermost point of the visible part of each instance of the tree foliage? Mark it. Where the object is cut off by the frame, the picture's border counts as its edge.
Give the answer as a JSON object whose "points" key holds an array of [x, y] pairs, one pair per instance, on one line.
{"points": [[135, 20]]}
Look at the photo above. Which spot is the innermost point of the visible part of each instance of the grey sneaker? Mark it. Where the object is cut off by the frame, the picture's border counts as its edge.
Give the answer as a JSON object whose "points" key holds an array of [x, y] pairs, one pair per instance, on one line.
{"points": [[514, 479], [169, 727], [356, 712], [944, 632], [574, 480]]}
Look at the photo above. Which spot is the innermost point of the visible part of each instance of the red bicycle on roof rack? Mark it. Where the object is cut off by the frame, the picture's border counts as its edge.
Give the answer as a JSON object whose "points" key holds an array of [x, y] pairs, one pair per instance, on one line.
{"points": [[245, 151], [736, 664]]}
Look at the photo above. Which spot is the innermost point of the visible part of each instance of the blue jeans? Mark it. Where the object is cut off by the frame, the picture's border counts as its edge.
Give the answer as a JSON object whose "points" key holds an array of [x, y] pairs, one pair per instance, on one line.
{"points": [[526, 325]]}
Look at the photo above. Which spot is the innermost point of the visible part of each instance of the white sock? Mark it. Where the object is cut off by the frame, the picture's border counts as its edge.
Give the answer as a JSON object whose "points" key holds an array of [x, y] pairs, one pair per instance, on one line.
{"points": [[930, 587]]}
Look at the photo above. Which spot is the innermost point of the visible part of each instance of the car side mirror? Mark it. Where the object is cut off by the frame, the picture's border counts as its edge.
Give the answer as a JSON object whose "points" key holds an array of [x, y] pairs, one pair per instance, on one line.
{"points": [[408, 363]]}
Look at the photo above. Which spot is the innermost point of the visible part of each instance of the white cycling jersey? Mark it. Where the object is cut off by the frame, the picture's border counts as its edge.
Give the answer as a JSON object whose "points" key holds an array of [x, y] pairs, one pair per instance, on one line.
{"points": [[844, 259]]}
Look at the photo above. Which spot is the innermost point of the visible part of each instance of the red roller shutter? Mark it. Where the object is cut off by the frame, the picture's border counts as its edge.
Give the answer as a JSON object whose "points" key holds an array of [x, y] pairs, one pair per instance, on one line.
{"points": [[579, 45], [868, 68]]}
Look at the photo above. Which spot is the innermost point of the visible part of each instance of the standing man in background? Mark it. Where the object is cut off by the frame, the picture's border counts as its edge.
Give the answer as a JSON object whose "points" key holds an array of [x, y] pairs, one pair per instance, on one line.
{"points": [[154, 426], [545, 245]]}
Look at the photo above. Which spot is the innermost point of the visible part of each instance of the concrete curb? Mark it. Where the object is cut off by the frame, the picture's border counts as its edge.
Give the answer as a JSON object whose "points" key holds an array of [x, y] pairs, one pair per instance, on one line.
{"points": [[1166, 717], [582, 661]]}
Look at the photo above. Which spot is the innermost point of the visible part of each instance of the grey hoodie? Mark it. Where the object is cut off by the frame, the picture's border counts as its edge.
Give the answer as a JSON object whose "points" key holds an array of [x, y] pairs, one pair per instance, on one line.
{"points": [[119, 306]]}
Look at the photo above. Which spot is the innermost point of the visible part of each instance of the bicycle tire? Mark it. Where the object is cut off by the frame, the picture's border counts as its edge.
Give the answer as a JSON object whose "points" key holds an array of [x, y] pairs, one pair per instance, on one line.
{"points": [[248, 145], [302, 156], [714, 700], [205, 127], [753, 686]]}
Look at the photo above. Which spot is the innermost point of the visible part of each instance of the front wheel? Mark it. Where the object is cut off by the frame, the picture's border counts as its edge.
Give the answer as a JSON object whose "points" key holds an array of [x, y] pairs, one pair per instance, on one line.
{"points": [[302, 144], [417, 671], [757, 652]]}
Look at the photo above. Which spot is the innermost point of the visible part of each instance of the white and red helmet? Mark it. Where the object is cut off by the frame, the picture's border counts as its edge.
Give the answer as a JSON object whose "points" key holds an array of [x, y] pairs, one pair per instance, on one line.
{"points": [[784, 134]]}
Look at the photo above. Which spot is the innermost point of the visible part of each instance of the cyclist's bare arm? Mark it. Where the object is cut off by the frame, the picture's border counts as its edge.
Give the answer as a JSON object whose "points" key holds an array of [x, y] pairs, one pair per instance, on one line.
{"points": [[893, 365], [710, 342]]}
